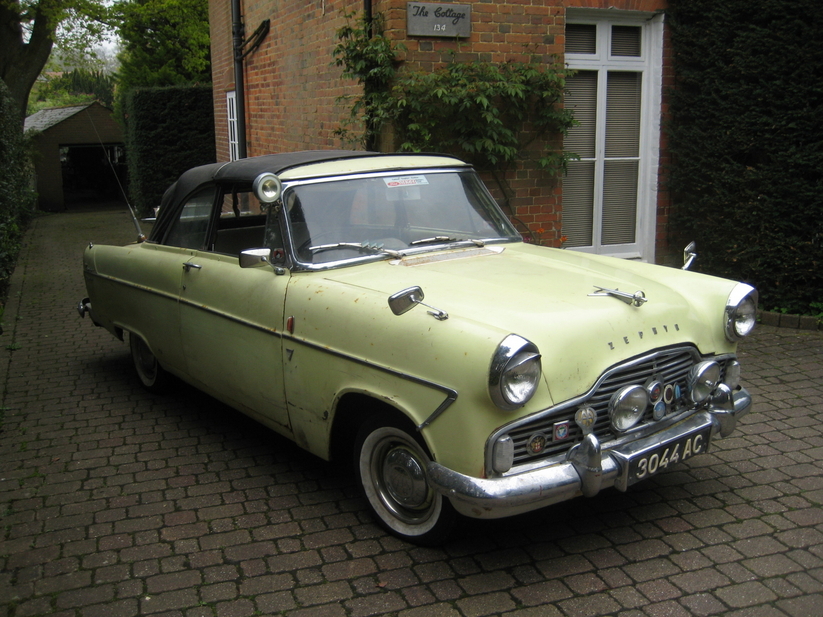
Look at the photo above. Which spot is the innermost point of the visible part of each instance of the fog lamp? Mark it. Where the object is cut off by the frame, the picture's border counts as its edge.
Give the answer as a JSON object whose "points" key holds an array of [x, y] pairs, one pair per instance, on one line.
{"points": [[703, 379], [626, 407]]}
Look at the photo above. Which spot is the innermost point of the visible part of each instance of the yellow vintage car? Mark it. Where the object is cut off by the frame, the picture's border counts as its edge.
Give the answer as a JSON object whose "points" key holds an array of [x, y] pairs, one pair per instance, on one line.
{"points": [[381, 309]]}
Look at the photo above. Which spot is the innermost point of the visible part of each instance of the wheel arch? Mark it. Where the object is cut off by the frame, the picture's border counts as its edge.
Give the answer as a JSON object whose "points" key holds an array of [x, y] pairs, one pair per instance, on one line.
{"points": [[352, 410]]}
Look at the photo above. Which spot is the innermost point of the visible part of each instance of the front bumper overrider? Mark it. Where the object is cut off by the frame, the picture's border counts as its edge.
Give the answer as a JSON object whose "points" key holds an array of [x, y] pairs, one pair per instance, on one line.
{"points": [[587, 470]]}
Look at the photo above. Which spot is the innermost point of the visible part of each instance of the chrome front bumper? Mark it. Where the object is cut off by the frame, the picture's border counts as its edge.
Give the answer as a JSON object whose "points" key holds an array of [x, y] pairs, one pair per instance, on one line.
{"points": [[587, 470]]}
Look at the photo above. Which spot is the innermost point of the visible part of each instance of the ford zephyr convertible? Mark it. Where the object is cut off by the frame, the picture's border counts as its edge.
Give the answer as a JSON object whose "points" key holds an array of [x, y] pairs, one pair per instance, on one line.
{"points": [[381, 309]]}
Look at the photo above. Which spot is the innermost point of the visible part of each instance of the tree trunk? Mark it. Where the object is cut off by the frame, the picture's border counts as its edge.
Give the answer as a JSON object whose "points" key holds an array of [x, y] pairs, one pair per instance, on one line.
{"points": [[20, 61]]}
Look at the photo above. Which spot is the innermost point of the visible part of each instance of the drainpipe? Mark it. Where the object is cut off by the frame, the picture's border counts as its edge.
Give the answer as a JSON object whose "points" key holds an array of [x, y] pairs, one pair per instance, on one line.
{"points": [[367, 14], [238, 34], [371, 141]]}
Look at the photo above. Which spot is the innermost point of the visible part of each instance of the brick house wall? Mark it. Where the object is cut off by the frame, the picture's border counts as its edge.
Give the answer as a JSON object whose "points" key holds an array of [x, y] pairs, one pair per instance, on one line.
{"points": [[292, 87]]}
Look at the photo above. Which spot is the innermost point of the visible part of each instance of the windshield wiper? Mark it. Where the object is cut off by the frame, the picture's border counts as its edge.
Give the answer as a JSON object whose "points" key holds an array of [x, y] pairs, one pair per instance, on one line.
{"points": [[433, 239], [438, 239], [362, 246]]}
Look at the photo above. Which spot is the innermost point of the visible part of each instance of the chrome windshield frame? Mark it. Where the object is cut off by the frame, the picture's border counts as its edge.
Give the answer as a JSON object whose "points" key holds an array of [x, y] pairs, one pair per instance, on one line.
{"points": [[463, 244]]}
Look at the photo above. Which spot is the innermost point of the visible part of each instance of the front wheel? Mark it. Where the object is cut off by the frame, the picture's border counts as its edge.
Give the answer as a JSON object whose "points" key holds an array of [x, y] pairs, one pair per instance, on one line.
{"points": [[153, 376], [391, 466]]}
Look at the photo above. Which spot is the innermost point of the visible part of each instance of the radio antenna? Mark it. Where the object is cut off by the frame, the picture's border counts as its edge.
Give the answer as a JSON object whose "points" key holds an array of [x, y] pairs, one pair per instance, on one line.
{"points": [[141, 237]]}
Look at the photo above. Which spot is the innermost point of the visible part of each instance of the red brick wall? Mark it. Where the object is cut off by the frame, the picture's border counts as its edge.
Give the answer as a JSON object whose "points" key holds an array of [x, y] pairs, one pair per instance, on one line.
{"points": [[501, 31], [222, 70], [292, 87]]}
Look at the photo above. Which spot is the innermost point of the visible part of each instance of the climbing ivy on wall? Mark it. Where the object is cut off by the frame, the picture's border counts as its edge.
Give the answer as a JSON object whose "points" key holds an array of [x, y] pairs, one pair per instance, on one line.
{"points": [[487, 113], [747, 138]]}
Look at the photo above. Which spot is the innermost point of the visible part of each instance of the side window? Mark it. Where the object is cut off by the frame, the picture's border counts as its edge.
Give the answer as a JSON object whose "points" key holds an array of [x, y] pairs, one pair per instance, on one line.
{"points": [[191, 228], [242, 223]]}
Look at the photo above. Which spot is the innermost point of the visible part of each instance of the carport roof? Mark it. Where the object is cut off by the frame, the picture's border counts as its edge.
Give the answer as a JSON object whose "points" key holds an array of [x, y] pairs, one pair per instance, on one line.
{"points": [[47, 118]]}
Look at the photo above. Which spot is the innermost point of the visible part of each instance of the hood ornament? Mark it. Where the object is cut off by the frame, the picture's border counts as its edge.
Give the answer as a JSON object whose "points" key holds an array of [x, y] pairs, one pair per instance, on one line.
{"points": [[637, 299]]}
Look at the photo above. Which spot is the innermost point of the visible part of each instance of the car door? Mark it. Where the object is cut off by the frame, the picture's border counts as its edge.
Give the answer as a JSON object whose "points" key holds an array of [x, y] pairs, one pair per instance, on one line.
{"points": [[231, 322]]}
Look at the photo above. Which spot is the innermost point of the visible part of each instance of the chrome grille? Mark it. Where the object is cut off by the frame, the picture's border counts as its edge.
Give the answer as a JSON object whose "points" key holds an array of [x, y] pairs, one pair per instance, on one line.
{"points": [[669, 366]]}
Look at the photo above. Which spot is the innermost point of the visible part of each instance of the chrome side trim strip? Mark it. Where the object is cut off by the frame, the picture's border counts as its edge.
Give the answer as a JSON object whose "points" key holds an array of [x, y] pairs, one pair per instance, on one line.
{"points": [[450, 393]]}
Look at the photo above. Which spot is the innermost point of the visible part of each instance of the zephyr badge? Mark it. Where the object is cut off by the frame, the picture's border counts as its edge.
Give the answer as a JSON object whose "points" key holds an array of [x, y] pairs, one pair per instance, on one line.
{"points": [[638, 298]]}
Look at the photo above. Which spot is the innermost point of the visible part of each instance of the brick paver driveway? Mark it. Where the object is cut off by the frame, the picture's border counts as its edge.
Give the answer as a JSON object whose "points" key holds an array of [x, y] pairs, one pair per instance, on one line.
{"points": [[116, 502]]}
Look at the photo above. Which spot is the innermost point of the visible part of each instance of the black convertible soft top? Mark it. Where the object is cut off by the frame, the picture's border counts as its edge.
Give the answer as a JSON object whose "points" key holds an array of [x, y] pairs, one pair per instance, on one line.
{"points": [[242, 171]]}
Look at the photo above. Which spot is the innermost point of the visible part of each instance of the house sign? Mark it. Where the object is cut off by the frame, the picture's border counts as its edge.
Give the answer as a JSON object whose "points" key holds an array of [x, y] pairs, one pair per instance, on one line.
{"points": [[438, 19]]}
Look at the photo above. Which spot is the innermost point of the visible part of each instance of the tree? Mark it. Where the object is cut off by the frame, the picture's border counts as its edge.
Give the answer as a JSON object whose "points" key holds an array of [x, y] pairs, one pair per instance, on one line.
{"points": [[75, 87], [165, 43], [29, 30]]}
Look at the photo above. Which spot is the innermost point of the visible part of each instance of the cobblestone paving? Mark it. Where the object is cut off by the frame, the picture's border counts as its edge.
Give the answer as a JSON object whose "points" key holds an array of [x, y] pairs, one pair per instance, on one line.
{"points": [[114, 502]]}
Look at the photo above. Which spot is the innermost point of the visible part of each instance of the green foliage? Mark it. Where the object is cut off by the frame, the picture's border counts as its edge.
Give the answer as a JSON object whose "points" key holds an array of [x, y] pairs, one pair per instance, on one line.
{"points": [[488, 113], [16, 197], [32, 27], [168, 131], [369, 57], [165, 43], [747, 139], [57, 99], [74, 88]]}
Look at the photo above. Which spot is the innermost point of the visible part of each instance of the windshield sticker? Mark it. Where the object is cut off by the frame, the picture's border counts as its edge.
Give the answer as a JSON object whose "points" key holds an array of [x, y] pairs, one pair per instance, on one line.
{"points": [[402, 181]]}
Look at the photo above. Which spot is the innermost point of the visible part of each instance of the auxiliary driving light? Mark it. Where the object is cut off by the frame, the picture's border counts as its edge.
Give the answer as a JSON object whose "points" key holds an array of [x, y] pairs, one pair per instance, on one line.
{"points": [[626, 407], [267, 187], [703, 379]]}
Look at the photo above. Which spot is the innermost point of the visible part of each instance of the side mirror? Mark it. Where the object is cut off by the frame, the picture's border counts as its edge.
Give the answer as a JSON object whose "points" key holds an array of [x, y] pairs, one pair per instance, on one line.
{"points": [[251, 258], [404, 301], [689, 255]]}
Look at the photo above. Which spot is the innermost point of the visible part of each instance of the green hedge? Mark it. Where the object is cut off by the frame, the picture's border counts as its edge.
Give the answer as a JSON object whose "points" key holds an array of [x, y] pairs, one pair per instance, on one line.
{"points": [[17, 199], [168, 130], [747, 138]]}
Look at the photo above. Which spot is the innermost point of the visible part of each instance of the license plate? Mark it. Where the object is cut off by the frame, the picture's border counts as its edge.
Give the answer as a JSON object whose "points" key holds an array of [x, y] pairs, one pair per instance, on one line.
{"points": [[651, 461]]}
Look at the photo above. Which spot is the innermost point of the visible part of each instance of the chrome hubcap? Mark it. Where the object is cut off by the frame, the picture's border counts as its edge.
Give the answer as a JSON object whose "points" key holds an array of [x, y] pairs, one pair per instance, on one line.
{"points": [[405, 479]]}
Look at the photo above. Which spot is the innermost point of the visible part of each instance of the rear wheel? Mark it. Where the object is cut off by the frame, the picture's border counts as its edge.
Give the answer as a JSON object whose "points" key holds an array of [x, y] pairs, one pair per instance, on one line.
{"points": [[153, 377], [390, 462]]}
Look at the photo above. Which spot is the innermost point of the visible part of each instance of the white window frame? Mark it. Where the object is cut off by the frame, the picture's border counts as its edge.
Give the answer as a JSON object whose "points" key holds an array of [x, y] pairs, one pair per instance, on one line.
{"points": [[650, 64], [231, 113]]}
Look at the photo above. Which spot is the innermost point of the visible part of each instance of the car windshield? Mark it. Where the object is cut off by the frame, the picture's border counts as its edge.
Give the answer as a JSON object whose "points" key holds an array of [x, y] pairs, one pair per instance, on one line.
{"points": [[392, 214]]}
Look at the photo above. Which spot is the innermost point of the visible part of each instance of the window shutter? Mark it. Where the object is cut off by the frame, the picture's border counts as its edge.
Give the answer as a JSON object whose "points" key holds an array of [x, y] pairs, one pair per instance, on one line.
{"points": [[581, 98], [623, 114], [626, 41], [578, 204], [581, 39], [619, 202]]}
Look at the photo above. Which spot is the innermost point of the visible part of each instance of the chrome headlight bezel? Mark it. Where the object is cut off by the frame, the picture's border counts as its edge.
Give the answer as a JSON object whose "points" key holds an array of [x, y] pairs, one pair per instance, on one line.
{"points": [[515, 373], [627, 406], [740, 314], [267, 187], [703, 379]]}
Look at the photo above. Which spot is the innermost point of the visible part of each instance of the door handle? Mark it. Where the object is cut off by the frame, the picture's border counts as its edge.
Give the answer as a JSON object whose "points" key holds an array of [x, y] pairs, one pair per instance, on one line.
{"points": [[188, 266]]}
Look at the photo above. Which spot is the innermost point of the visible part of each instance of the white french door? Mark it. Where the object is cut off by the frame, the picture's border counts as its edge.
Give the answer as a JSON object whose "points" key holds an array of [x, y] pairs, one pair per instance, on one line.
{"points": [[610, 194]]}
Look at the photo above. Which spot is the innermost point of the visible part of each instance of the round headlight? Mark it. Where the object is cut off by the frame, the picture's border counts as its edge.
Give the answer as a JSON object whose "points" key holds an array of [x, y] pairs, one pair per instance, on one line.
{"points": [[267, 187], [703, 379], [515, 372], [741, 312], [626, 407]]}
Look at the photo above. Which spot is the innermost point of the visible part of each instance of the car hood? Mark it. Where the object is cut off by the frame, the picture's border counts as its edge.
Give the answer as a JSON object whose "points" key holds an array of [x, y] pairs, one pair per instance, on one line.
{"points": [[551, 297]]}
